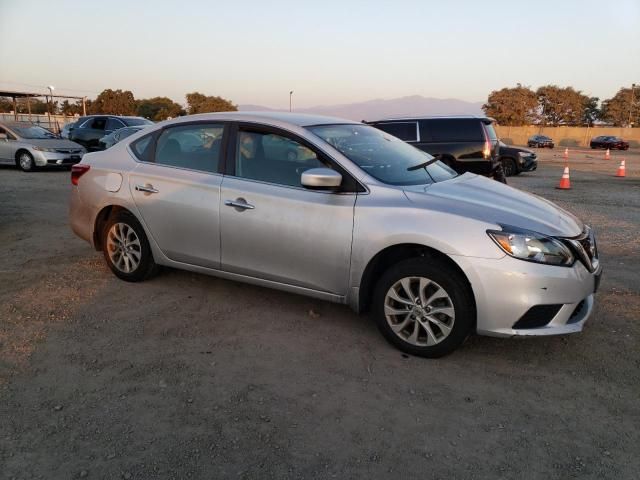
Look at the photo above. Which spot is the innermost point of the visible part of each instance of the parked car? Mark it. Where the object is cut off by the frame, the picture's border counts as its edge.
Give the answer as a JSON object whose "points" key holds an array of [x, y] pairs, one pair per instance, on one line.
{"points": [[540, 141], [30, 146], [465, 143], [516, 160], [366, 220], [612, 143], [66, 128], [114, 137], [89, 130]]}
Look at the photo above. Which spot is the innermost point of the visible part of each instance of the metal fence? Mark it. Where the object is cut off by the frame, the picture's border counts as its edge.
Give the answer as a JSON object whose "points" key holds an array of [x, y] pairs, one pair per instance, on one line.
{"points": [[53, 123]]}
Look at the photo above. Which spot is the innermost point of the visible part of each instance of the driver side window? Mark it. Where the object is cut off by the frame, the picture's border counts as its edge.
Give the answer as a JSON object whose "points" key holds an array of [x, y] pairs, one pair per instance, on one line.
{"points": [[272, 158]]}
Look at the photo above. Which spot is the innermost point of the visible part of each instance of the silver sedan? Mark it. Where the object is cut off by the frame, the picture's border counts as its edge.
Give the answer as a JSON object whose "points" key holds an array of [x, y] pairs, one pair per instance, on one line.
{"points": [[343, 212], [30, 146]]}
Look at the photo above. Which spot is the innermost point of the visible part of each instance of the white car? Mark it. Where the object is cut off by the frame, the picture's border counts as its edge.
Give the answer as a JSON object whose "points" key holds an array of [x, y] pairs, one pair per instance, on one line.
{"points": [[30, 146], [356, 216]]}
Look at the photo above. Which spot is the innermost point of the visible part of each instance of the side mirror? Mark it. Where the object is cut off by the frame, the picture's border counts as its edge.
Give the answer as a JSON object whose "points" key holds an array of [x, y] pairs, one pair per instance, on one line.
{"points": [[321, 178]]}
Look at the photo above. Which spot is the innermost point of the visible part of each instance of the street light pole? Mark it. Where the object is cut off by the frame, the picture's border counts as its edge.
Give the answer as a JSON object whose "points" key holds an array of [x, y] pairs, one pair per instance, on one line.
{"points": [[51, 89], [290, 95]]}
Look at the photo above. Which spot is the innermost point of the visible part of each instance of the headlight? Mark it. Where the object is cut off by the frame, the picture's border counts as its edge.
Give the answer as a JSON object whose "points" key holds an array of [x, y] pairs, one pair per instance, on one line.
{"points": [[42, 149], [532, 246], [524, 154]]}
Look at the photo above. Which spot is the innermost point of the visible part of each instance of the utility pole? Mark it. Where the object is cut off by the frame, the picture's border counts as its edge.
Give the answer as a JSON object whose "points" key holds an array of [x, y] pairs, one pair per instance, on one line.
{"points": [[290, 95], [633, 87]]}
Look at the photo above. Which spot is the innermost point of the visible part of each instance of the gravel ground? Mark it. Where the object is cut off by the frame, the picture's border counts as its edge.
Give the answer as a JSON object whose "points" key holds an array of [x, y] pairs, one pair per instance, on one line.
{"points": [[189, 376]]}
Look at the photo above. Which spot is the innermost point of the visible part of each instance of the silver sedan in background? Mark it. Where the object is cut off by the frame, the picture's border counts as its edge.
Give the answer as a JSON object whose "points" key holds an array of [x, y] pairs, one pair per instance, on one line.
{"points": [[30, 146], [356, 216]]}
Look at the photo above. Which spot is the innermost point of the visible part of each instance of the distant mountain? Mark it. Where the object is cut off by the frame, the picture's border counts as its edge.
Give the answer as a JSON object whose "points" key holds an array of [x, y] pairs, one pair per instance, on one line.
{"points": [[397, 107]]}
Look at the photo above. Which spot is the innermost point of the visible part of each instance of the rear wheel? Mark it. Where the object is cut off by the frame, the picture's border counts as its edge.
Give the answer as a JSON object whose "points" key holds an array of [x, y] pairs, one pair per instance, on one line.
{"points": [[424, 307], [126, 248], [25, 161]]}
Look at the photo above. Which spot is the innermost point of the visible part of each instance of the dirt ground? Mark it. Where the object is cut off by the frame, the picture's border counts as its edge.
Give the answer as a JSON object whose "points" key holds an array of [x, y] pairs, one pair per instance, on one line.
{"points": [[189, 376]]}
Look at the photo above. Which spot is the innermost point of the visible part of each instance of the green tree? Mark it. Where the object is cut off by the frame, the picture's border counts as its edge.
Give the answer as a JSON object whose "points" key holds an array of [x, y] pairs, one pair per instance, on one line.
{"points": [[591, 110], [512, 106], [114, 102], [561, 106], [158, 108], [70, 109], [620, 110], [199, 103], [6, 105]]}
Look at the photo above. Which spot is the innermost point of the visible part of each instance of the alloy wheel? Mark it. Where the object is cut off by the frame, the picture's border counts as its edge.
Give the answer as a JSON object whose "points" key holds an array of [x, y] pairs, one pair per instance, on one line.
{"points": [[123, 247], [419, 311]]}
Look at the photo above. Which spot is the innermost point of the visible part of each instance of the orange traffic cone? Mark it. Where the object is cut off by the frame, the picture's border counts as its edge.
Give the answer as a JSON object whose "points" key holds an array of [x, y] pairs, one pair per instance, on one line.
{"points": [[565, 182], [607, 155], [566, 153], [621, 170]]}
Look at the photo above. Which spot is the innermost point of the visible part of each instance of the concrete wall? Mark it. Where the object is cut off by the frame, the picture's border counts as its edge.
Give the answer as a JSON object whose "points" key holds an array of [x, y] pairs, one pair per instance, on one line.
{"points": [[567, 136]]}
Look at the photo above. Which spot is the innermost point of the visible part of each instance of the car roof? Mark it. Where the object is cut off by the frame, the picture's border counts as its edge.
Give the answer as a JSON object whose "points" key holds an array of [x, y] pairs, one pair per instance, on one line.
{"points": [[435, 117], [299, 119]]}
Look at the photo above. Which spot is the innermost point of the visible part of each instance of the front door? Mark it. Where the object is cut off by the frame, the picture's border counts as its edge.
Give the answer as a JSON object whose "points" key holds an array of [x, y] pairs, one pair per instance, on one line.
{"points": [[275, 229], [177, 191]]}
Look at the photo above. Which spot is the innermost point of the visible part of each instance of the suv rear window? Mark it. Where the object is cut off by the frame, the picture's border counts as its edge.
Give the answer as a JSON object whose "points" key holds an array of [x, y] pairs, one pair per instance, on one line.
{"points": [[451, 130], [406, 131]]}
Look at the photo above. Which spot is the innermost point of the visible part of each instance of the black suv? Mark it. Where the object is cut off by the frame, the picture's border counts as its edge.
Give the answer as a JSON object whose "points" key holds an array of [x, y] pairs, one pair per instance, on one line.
{"points": [[89, 130], [465, 143]]}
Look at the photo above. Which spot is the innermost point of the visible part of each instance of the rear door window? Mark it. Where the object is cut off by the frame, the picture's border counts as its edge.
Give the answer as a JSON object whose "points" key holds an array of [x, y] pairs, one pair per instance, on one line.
{"points": [[451, 130], [114, 124], [195, 147], [407, 131]]}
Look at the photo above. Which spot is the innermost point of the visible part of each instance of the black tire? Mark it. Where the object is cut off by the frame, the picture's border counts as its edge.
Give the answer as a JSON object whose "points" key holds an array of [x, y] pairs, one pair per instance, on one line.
{"points": [[25, 161], [453, 283], [509, 166], [146, 267]]}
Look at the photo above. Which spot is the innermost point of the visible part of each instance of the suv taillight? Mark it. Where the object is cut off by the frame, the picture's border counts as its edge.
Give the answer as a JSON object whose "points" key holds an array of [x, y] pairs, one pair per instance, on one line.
{"points": [[77, 171], [486, 151]]}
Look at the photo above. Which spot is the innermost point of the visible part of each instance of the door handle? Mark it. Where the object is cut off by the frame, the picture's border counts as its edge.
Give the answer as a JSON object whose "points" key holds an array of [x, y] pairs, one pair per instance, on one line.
{"points": [[146, 188], [239, 203]]}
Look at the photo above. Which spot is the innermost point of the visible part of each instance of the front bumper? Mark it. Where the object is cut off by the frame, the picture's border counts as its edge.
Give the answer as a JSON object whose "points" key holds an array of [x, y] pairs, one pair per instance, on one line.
{"points": [[528, 164], [506, 289], [43, 159]]}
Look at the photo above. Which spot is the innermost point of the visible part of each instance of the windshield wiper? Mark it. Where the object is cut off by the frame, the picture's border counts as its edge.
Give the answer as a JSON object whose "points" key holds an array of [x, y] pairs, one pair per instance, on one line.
{"points": [[422, 165]]}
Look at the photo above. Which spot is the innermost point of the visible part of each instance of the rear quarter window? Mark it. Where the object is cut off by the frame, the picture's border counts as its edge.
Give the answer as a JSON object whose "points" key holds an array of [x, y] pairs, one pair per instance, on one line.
{"points": [[406, 131], [451, 130], [143, 148]]}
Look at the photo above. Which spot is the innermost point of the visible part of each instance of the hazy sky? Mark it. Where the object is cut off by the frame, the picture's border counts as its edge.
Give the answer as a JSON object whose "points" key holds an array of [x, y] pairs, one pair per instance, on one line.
{"points": [[326, 51]]}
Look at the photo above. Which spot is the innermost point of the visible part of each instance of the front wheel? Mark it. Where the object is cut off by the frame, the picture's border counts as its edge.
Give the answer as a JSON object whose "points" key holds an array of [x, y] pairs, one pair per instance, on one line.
{"points": [[25, 161], [509, 167], [424, 307], [126, 248]]}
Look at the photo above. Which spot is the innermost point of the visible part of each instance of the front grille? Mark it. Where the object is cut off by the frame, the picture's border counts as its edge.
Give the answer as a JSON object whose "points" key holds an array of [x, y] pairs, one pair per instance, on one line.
{"points": [[537, 316], [68, 150]]}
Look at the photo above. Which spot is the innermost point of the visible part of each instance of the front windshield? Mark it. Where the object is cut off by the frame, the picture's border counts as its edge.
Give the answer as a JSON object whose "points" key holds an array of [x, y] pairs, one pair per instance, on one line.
{"points": [[383, 156], [34, 132]]}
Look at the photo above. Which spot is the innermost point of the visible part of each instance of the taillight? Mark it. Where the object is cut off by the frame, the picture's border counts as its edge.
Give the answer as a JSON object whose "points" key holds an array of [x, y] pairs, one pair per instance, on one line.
{"points": [[486, 151], [77, 171]]}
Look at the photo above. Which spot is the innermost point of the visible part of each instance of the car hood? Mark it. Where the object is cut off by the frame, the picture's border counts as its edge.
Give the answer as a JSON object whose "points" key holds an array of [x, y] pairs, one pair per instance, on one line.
{"points": [[490, 201], [51, 142]]}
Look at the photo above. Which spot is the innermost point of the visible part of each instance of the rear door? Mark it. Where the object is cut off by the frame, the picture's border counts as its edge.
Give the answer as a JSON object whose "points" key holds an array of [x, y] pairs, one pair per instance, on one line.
{"points": [[7, 147], [176, 187], [282, 231], [90, 132]]}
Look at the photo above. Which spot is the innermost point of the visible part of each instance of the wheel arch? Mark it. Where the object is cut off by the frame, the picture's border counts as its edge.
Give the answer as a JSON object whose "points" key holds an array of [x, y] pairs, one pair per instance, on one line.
{"points": [[18, 152], [390, 256], [101, 220]]}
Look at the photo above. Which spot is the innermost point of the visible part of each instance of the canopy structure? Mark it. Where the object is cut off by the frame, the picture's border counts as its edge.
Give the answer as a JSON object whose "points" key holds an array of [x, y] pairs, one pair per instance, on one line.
{"points": [[28, 95]]}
